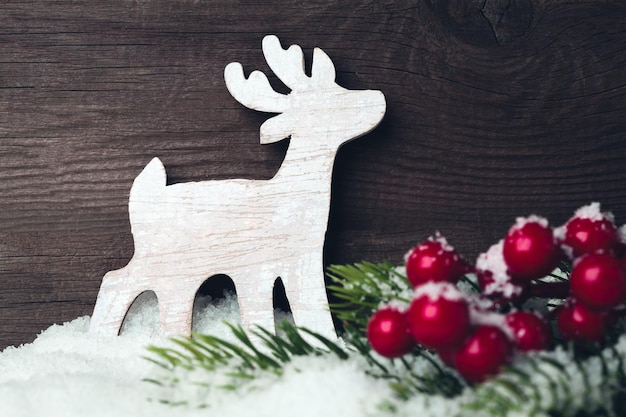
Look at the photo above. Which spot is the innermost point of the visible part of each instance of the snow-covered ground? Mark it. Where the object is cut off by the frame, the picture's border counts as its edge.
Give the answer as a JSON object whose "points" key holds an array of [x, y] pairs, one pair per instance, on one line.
{"points": [[68, 371]]}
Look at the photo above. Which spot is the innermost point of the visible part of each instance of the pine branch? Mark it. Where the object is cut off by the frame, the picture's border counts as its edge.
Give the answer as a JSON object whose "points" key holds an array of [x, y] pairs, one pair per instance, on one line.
{"points": [[559, 383], [235, 364], [564, 382], [362, 287]]}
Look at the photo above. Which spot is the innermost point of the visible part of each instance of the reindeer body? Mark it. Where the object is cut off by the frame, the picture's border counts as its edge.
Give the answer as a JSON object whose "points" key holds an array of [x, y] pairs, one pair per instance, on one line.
{"points": [[251, 230]]}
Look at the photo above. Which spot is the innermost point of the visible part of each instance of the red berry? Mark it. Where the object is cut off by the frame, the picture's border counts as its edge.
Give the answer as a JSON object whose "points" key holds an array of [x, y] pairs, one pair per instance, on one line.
{"points": [[447, 356], [599, 281], [438, 316], [531, 332], [529, 249], [434, 260], [589, 230], [579, 323], [586, 235], [388, 333], [482, 355]]}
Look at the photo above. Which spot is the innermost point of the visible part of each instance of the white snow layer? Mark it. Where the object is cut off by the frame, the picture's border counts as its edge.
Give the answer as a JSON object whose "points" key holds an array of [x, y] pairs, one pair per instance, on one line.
{"points": [[68, 371]]}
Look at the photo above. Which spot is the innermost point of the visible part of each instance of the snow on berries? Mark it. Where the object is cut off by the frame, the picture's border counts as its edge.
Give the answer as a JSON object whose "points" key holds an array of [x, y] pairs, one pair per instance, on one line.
{"points": [[530, 250], [598, 278], [493, 275], [438, 316], [478, 333], [434, 260], [589, 230]]}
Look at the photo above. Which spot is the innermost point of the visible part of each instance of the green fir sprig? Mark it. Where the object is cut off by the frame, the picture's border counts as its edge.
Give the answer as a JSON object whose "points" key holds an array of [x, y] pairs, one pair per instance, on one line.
{"points": [[244, 359], [567, 381], [362, 287], [557, 384]]}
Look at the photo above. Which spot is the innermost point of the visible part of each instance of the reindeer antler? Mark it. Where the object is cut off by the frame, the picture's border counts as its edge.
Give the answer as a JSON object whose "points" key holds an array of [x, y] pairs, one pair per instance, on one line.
{"points": [[322, 70], [288, 65], [255, 92]]}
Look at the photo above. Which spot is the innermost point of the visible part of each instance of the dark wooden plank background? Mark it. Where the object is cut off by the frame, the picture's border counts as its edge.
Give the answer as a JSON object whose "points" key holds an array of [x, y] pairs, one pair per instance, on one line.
{"points": [[496, 109]]}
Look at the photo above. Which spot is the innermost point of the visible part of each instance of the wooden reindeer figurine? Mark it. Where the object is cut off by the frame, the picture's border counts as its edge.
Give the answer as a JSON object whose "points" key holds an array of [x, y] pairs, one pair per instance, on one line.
{"points": [[254, 231]]}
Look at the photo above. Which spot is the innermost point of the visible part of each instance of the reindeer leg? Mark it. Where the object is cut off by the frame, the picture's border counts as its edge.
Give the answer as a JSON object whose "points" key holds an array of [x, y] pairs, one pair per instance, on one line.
{"points": [[306, 292], [114, 299], [255, 303], [176, 311]]}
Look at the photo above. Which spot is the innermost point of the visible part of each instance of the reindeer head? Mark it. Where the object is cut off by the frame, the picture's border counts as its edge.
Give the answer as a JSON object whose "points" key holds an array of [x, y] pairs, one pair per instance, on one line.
{"points": [[315, 107]]}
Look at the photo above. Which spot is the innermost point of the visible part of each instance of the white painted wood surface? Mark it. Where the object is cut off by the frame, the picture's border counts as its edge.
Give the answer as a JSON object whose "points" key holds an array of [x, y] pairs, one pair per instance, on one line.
{"points": [[254, 231]]}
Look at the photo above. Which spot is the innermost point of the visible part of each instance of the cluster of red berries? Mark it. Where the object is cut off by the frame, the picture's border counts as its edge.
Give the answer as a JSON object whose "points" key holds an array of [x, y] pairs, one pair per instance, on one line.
{"points": [[592, 242], [468, 331]]}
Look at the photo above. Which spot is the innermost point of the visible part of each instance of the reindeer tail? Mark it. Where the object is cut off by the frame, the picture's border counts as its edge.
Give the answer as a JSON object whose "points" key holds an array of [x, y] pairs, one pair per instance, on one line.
{"points": [[149, 183]]}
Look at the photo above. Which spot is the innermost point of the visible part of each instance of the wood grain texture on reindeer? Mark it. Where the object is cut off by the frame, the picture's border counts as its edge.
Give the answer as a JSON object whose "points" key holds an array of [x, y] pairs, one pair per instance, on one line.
{"points": [[254, 231]]}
